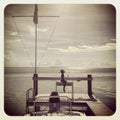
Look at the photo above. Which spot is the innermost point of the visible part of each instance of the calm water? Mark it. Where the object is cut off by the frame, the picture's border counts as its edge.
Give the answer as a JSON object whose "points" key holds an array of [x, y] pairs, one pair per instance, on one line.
{"points": [[16, 85]]}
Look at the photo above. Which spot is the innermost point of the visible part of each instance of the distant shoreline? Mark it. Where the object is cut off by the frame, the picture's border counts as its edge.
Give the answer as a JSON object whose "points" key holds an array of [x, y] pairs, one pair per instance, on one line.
{"points": [[54, 70]]}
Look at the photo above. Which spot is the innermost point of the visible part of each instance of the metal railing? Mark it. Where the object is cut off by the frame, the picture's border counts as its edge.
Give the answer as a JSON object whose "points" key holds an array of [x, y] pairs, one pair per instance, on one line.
{"points": [[29, 98], [45, 106]]}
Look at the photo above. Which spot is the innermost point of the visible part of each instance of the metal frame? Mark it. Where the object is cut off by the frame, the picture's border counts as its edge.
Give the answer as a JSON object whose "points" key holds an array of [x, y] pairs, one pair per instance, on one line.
{"points": [[88, 78], [68, 84]]}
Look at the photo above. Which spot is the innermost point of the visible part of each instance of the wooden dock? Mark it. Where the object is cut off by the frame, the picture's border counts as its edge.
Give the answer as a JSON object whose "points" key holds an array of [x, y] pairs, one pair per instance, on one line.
{"points": [[99, 108]]}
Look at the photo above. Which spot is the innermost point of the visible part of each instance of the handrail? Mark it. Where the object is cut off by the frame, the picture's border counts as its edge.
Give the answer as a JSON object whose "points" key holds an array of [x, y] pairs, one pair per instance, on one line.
{"points": [[66, 78], [39, 100], [28, 98], [88, 78], [28, 93], [67, 84]]}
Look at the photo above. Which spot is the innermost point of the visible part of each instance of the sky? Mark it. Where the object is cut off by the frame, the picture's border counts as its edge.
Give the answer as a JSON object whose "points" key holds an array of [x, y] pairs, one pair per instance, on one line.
{"points": [[74, 35]]}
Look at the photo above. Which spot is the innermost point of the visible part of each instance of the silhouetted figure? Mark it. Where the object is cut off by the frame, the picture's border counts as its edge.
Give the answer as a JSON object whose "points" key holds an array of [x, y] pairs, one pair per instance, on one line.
{"points": [[62, 79], [54, 101]]}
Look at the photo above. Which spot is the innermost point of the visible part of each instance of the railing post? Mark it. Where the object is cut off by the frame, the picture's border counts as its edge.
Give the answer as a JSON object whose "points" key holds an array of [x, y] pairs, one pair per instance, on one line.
{"points": [[35, 87], [56, 86], [35, 84], [72, 92], [90, 85]]}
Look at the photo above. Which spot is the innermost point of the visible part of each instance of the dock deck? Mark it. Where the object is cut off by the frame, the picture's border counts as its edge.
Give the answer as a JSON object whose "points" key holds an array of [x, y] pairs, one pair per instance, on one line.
{"points": [[99, 108]]}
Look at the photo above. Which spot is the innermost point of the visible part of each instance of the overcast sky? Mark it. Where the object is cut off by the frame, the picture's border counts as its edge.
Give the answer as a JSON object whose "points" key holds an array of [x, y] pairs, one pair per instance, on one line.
{"points": [[80, 36]]}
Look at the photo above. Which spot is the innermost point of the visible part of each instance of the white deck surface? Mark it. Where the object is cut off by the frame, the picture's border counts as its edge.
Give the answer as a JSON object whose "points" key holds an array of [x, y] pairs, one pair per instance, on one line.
{"points": [[77, 96]]}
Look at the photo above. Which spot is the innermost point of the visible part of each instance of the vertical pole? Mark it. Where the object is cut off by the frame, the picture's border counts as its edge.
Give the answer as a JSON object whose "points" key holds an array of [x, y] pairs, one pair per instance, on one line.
{"points": [[35, 48], [90, 85], [35, 80], [35, 76], [35, 84], [72, 92], [56, 86]]}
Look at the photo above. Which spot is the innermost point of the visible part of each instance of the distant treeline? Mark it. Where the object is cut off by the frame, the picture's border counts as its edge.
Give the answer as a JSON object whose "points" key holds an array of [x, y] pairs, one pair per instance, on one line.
{"points": [[54, 70]]}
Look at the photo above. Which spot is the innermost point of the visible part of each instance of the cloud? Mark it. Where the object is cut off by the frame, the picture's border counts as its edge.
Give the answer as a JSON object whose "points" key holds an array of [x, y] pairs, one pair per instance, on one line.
{"points": [[86, 48], [14, 40], [10, 58], [107, 46], [69, 49], [14, 33], [109, 63], [113, 40], [39, 29], [43, 29]]}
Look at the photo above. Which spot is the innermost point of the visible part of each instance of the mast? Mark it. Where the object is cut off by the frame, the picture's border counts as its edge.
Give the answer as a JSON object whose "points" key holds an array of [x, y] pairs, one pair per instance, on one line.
{"points": [[35, 48], [35, 20], [35, 80]]}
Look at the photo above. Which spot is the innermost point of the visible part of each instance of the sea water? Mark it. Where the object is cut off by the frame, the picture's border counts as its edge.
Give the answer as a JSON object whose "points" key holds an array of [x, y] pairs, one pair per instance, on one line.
{"points": [[16, 85]]}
